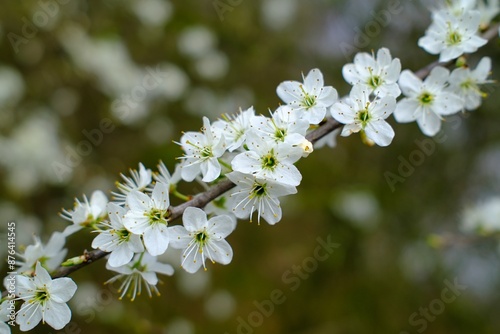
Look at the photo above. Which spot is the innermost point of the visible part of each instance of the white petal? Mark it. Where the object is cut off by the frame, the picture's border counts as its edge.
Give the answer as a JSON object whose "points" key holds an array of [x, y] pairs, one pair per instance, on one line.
{"points": [[135, 244], [210, 170], [162, 268], [380, 132], [350, 74], [62, 289], [179, 237], [120, 256], [138, 201], [136, 222], [194, 219], [410, 84], [28, 316], [448, 104], [98, 203], [313, 81], [405, 111], [221, 252], [41, 275], [57, 315], [429, 123], [160, 196], [156, 239], [189, 171], [221, 225], [343, 113], [290, 92]]}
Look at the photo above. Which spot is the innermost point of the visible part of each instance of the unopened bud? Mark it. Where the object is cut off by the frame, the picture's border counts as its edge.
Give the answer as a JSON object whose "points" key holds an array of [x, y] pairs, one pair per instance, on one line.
{"points": [[307, 148], [74, 261]]}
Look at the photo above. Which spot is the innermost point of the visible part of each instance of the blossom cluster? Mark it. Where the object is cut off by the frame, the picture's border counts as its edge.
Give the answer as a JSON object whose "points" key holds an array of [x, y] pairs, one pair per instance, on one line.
{"points": [[258, 154]]}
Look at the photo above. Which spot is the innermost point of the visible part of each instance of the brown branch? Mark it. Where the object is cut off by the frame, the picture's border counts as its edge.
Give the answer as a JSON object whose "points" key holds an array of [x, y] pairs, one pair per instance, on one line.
{"points": [[220, 188], [200, 201]]}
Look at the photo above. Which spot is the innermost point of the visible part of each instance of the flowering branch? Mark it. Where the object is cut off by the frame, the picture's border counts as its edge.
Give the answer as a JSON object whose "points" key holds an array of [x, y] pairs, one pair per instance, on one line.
{"points": [[202, 199], [256, 155]]}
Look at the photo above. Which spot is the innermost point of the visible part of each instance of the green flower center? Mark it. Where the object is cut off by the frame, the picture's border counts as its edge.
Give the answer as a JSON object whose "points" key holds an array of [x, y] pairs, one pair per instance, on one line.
{"points": [[426, 98], [375, 81], [201, 237], [206, 152], [258, 190], [269, 161], [41, 295], [157, 216], [309, 101], [454, 38], [123, 235], [280, 134]]}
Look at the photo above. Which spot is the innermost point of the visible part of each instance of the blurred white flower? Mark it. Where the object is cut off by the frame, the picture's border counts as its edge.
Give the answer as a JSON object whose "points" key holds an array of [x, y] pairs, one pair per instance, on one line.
{"points": [[152, 12], [451, 36], [50, 255], [196, 41], [277, 14], [465, 83], [31, 148], [5, 317], [12, 86], [138, 181], [483, 218]]}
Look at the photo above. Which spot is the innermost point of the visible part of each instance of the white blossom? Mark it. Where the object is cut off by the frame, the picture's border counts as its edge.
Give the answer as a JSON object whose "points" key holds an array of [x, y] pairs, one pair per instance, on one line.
{"points": [[235, 128], [465, 83], [379, 73], [201, 239], [165, 177], [117, 239], [139, 181], [148, 216], [256, 194], [359, 113], [451, 36], [5, 317], [489, 9], [86, 213], [284, 125], [50, 255], [426, 101], [457, 7], [311, 98], [45, 299], [269, 160], [140, 271], [201, 153]]}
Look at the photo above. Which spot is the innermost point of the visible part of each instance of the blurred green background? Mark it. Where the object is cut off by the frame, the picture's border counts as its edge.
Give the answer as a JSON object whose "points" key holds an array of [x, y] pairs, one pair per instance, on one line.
{"points": [[65, 66]]}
